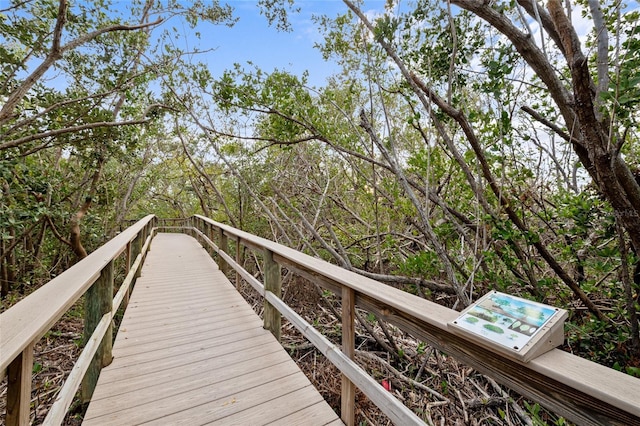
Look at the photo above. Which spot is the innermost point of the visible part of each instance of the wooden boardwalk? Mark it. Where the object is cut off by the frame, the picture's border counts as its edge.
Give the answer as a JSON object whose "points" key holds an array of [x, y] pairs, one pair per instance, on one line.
{"points": [[190, 350]]}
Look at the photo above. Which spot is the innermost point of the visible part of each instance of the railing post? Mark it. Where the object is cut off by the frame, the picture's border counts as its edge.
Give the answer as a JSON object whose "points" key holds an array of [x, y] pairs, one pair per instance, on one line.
{"points": [[239, 261], [272, 283], [19, 388], [207, 230], [223, 244], [127, 268], [209, 233], [97, 302], [137, 249], [348, 389]]}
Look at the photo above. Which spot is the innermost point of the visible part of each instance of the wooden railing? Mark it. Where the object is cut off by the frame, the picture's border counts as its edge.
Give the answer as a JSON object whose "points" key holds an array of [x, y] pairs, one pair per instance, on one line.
{"points": [[579, 390], [24, 324]]}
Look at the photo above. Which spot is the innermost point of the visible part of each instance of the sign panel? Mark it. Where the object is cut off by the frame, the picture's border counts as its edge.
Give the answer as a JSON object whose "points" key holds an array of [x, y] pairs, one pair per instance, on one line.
{"points": [[516, 325]]}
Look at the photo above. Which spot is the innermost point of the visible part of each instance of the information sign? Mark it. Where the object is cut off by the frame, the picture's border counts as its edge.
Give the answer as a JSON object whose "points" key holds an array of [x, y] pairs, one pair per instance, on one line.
{"points": [[512, 325]]}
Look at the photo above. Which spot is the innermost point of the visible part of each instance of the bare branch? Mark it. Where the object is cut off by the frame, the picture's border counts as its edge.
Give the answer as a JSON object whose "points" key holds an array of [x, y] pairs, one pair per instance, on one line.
{"points": [[56, 53], [557, 130], [58, 132]]}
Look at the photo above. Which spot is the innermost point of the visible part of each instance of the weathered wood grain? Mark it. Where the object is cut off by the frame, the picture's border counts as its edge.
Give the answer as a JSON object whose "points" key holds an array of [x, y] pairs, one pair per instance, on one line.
{"points": [[580, 390], [190, 350], [19, 389], [272, 283], [98, 302], [312, 414], [348, 390], [33, 316]]}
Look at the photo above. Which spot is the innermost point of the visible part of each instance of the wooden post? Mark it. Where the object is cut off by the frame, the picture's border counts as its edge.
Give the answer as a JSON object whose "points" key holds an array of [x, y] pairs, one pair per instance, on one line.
{"points": [[19, 388], [207, 229], [348, 389], [127, 268], [239, 261], [209, 233], [223, 244], [272, 283], [137, 248], [98, 301]]}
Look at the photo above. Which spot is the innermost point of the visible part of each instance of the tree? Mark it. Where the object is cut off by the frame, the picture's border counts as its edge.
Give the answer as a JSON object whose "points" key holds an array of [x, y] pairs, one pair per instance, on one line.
{"points": [[463, 135], [77, 98]]}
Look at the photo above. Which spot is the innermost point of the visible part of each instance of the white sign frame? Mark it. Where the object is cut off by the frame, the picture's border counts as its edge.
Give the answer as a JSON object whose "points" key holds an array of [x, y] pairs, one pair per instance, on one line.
{"points": [[517, 327]]}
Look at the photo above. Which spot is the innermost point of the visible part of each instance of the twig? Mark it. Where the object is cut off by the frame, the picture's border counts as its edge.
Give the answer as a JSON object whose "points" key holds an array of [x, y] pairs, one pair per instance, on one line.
{"points": [[516, 408], [373, 334], [464, 408], [423, 366], [486, 402], [401, 376], [389, 337]]}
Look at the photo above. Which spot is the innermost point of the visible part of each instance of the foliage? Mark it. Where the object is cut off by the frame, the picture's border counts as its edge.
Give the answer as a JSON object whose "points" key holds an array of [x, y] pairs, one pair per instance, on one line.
{"points": [[441, 159]]}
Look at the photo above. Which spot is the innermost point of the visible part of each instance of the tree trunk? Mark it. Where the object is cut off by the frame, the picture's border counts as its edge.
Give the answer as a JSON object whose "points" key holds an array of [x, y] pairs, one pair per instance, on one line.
{"points": [[74, 238], [5, 284]]}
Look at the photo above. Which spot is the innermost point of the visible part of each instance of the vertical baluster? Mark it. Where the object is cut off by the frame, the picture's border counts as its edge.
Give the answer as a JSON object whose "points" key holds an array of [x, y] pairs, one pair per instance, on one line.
{"points": [[137, 249], [239, 261], [223, 244], [272, 283], [127, 268], [98, 301], [347, 399], [19, 388], [210, 233]]}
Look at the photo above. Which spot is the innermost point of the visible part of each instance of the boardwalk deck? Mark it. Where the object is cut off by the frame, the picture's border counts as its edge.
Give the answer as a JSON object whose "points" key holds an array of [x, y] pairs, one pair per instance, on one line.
{"points": [[191, 351]]}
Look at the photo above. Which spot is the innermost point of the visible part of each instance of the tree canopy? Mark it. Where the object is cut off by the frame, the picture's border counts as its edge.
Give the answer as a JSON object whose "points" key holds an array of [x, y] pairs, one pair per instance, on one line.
{"points": [[463, 146]]}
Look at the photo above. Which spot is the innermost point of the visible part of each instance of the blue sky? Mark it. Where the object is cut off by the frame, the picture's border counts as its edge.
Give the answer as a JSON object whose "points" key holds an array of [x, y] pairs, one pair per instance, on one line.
{"points": [[252, 39]]}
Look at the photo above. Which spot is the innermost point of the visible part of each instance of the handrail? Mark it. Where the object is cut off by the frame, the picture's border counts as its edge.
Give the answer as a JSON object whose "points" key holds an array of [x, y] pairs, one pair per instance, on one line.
{"points": [[394, 409], [27, 321], [580, 390]]}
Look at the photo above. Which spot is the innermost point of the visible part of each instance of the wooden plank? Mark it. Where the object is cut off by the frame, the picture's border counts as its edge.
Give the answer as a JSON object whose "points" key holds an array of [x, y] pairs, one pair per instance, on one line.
{"points": [[389, 405], [72, 383], [167, 305], [143, 336], [136, 341], [337, 422], [216, 346], [189, 313], [230, 402], [223, 243], [257, 285], [239, 260], [125, 288], [223, 368], [128, 371], [133, 331], [315, 414], [200, 354], [197, 388], [271, 410]]}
